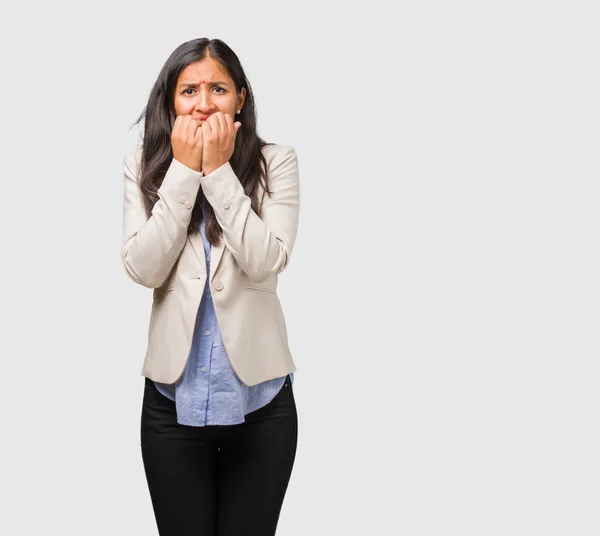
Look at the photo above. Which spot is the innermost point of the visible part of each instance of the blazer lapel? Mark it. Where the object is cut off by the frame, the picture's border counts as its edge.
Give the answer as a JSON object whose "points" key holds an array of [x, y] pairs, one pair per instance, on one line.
{"points": [[216, 252]]}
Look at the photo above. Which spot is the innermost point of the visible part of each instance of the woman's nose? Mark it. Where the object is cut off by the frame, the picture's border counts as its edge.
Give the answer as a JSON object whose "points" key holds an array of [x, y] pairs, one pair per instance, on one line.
{"points": [[204, 102]]}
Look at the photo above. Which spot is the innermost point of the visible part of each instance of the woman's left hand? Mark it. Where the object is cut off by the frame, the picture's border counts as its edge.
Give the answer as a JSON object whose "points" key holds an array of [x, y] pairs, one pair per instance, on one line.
{"points": [[218, 133]]}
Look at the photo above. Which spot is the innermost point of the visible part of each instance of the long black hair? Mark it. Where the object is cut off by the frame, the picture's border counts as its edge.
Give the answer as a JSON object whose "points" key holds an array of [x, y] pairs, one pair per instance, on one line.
{"points": [[247, 160]]}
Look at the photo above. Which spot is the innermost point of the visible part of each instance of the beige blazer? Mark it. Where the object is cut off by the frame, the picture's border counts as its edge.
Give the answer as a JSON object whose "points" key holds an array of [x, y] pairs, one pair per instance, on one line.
{"points": [[158, 253]]}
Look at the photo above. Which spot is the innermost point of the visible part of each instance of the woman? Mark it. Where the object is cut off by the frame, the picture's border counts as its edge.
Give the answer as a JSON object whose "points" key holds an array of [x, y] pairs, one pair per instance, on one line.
{"points": [[210, 218]]}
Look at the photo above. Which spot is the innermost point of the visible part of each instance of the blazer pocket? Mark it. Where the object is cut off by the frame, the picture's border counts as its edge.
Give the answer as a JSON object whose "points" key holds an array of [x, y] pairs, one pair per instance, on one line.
{"points": [[258, 289]]}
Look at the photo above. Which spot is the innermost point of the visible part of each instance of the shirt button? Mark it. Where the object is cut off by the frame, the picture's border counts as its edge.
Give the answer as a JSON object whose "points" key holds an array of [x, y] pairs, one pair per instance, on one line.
{"points": [[207, 332], [203, 369]]}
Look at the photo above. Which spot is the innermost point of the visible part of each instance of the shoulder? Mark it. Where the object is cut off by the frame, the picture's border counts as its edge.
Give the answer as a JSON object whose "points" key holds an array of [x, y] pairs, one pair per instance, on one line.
{"points": [[132, 161], [277, 155]]}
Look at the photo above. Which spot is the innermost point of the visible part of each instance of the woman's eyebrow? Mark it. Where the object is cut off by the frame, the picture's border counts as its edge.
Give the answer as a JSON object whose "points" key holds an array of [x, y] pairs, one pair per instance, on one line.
{"points": [[196, 84]]}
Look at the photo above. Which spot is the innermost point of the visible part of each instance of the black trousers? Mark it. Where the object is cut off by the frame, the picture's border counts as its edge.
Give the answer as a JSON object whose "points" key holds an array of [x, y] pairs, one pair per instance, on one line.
{"points": [[218, 480]]}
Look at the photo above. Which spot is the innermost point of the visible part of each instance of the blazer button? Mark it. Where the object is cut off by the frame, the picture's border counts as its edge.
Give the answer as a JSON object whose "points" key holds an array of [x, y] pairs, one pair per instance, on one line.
{"points": [[226, 206], [218, 285], [188, 204]]}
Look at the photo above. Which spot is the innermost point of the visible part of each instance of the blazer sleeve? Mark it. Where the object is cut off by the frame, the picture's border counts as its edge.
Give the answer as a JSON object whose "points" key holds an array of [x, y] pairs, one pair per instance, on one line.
{"points": [[262, 246], [151, 246]]}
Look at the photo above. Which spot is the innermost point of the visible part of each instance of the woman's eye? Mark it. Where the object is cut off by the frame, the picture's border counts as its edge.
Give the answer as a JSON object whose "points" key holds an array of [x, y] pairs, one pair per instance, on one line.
{"points": [[192, 89]]}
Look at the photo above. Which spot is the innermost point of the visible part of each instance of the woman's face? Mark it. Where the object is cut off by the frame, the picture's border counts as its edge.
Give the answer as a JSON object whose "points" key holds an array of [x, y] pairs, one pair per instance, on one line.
{"points": [[203, 88]]}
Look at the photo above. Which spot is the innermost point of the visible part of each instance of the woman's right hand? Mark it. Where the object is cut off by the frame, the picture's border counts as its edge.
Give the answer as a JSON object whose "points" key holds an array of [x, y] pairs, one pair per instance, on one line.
{"points": [[187, 142]]}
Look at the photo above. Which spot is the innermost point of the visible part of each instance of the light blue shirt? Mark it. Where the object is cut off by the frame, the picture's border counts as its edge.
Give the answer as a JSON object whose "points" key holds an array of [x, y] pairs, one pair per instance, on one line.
{"points": [[209, 392]]}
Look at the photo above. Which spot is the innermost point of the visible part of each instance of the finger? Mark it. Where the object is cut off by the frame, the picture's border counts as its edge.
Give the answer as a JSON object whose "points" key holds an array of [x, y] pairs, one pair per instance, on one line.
{"points": [[199, 138], [192, 128], [207, 132], [183, 126], [176, 126], [222, 123], [213, 121], [229, 123]]}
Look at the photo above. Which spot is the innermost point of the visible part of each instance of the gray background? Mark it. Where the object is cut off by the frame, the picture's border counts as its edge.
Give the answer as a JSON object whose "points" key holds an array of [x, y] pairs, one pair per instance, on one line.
{"points": [[442, 301]]}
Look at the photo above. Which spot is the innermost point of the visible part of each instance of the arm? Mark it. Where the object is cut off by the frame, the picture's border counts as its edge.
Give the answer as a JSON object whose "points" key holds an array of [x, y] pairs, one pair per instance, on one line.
{"points": [[261, 246], [152, 245]]}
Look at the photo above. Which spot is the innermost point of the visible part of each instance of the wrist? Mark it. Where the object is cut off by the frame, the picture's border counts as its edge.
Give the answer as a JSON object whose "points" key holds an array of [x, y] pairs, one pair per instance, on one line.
{"points": [[210, 168]]}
